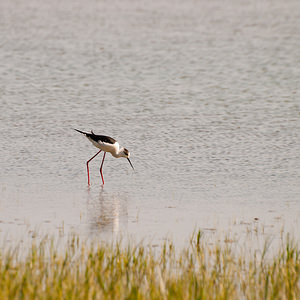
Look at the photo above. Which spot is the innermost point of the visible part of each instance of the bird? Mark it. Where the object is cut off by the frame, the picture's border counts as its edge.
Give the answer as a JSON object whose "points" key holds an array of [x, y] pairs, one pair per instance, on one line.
{"points": [[105, 144]]}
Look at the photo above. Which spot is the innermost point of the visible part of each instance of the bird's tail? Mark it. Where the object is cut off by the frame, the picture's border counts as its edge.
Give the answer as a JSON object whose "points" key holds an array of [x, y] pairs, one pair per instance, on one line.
{"points": [[86, 133]]}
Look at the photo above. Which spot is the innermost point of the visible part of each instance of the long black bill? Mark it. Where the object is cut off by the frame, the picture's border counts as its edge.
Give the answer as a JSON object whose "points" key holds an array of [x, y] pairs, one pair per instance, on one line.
{"points": [[130, 163]]}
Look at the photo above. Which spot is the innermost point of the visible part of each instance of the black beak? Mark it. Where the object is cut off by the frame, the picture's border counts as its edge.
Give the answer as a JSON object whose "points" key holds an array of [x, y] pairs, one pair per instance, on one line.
{"points": [[130, 163]]}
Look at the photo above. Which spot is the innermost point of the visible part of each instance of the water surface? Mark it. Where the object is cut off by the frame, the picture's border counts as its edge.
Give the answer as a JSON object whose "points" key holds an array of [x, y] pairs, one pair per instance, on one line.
{"points": [[205, 95]]}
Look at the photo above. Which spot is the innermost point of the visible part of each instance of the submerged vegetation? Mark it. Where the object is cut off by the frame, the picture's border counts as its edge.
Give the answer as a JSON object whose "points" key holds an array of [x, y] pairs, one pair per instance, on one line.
{"points": [[200, 271]]}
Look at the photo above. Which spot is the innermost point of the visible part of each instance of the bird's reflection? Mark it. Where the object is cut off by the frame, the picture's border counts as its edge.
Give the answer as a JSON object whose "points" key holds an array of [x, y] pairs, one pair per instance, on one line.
{"points": [[107, 213]]}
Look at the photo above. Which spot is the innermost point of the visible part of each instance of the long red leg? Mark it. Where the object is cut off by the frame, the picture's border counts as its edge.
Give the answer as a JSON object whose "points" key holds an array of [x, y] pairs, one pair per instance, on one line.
{"points": [[87, 166], [101, 167]]}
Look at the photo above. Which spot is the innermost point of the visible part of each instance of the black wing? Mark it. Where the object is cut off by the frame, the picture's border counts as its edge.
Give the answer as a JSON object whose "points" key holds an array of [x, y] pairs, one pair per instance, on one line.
{"points": [[102, 138], [98, 138]]}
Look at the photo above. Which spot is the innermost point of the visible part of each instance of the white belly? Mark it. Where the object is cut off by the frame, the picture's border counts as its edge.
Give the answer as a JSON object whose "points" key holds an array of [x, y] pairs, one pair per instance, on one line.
{"points": [[112, 148]]}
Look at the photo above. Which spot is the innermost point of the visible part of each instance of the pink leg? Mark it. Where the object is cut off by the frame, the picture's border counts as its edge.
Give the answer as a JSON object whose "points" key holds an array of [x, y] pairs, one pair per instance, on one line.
{"points": [[101, 167], [87, 166]]}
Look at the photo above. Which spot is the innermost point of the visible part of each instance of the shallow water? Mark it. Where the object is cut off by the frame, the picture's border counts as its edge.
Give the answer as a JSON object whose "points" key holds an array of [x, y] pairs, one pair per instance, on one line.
{"points": [[205, 95]]}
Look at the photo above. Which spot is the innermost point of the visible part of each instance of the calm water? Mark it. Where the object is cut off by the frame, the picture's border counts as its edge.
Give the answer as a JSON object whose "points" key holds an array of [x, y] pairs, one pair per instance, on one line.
{"points": [[205, 95]]}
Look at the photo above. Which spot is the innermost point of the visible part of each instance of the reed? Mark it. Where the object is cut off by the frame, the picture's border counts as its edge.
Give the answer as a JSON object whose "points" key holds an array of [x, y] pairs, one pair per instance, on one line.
{"points": [[97, 271]]}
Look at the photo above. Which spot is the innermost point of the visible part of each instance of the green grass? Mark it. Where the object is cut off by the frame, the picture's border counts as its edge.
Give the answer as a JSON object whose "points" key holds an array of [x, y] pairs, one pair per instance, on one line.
{"points": [[200, 271]]}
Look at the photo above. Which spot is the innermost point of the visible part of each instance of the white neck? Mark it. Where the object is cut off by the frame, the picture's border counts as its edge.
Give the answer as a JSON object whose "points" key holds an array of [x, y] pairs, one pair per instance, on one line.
{"points": [[118, 153]]}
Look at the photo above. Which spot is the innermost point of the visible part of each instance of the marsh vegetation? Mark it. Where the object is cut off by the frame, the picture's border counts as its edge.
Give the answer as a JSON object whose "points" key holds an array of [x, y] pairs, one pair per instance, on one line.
{"points": [[98, 271]]}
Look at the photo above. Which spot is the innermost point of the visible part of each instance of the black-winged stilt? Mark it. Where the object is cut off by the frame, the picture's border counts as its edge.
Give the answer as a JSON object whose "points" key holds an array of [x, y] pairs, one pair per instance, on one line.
{"points": [[105, 144]]}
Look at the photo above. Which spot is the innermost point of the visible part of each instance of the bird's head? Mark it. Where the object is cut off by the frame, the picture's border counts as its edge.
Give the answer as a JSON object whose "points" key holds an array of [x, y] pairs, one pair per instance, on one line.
{"points": [[125, 153]]}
